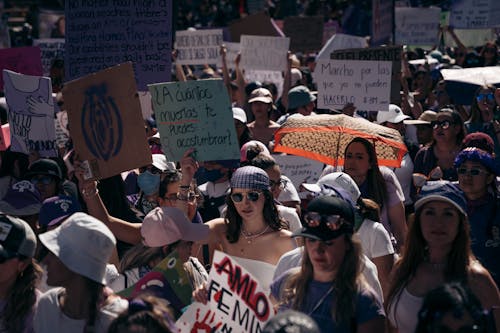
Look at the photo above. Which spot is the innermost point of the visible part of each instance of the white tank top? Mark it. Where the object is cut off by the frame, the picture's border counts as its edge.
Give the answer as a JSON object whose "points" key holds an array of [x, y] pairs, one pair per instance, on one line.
{"points": [[405, 318]]}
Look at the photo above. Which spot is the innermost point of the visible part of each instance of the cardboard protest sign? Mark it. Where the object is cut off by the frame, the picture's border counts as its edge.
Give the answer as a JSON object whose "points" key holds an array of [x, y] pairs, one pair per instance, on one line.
{"points": [[417, 26], [461, 84], [31, 113], [51, 49], [264, 53], [23, 60], [106, 123], [475, 14], [340, 42], [305, 32], [387, 53], [101, 34], [198, 47], [236, 301], [275, 77], [382, 22], [366, 84], [195, 114], [167, 280], [299, 169], [259, 24], [4, 137]]}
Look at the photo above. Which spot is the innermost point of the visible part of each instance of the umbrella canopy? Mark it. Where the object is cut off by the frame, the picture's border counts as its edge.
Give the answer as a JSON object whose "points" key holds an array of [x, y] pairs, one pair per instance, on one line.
{"points": [[325, 137], [461, 84]]}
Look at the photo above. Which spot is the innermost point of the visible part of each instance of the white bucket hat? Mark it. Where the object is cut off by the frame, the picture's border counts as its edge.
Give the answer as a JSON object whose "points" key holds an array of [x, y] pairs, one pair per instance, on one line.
{"points": [[83, 243]]}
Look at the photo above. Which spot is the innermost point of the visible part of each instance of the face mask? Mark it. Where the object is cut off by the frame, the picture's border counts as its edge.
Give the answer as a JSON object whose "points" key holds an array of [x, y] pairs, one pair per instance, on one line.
{"points": [[149, 183], [213, 175]]}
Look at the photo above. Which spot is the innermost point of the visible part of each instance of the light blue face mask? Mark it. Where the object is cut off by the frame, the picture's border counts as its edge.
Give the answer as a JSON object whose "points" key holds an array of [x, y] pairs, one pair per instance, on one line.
{"points": [[148, 182]]}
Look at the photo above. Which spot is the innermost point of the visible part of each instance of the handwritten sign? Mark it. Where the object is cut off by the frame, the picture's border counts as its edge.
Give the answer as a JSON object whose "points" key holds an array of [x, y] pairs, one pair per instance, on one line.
{"points": [[275, 77], [232, 50], [31, 113], [23, 60], [198, 47], [264, 53], [305, 32], [61, 124], [106, 123], [299, 169], [366, 84], [100, 34], [259, 24], [236, 301], [341, 42], [167, 280], [387, 53], [417, 26], [195, 114], [477, 14], [4, 137], [51, 49]]}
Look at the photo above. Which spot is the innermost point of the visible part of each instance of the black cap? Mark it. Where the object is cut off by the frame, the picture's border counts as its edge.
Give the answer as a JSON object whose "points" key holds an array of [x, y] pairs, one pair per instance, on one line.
{"points": [[327, 205], [16, 237], [44, 166]]}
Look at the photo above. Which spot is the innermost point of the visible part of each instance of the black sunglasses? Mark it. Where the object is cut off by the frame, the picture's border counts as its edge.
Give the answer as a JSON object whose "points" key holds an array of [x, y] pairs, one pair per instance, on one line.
{"points": [[445, 124], [252, 196]]}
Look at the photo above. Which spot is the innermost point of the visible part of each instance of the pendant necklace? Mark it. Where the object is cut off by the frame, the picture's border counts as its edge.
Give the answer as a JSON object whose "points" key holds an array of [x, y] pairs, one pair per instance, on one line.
{"points": [[250, 237]]}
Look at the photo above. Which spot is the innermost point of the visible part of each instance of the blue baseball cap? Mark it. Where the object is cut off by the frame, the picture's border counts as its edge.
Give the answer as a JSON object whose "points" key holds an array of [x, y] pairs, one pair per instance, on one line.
{"points": [[442, 190]]}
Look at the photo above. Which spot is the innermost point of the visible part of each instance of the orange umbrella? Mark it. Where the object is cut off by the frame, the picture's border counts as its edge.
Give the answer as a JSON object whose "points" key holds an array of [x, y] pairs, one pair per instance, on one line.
{"points": [[325, 137]]}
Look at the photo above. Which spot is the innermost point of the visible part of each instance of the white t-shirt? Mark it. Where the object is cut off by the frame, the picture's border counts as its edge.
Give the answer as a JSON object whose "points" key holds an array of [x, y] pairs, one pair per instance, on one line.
{"points": [[50, 318], [375, 240], [290, 215], [405, 177]]}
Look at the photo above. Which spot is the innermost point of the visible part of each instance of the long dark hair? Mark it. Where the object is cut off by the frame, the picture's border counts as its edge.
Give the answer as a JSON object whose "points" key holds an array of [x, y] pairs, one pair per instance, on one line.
{"points": [[95, 292], [22, 297], [377, 189], [234, 221], [475, 112]]}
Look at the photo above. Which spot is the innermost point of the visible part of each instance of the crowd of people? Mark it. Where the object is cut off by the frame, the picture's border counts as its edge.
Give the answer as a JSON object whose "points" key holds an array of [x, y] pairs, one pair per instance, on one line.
{"points": [[366, 248]]}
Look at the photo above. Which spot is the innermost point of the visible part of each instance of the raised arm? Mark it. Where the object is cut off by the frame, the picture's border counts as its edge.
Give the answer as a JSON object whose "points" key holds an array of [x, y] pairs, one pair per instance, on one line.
{"points": [[179, 70], [240, 81]]}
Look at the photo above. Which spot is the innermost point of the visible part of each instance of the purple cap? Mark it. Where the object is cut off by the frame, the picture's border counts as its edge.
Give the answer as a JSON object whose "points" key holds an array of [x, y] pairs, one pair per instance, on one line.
{"points": [[21, 199], [250, 177], [442, 190], [55, 209]]}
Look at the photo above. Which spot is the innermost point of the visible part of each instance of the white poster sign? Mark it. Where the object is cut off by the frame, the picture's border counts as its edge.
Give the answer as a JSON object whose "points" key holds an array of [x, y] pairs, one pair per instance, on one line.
{"points": [[236, 301], [475, 14], [198, 47], [341, 42], [264, 53], [417, 26], [477, 75], [275, 77], [232, 50], [366, 84], [51, 48], [299, 169]]}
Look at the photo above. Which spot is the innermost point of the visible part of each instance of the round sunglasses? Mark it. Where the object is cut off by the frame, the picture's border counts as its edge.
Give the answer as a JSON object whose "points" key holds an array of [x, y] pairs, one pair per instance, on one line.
{"points": [[251, 196]]}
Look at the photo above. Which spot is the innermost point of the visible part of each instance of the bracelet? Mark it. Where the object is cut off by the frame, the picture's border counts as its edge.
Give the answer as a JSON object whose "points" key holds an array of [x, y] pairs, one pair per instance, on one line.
{"points": [[90, 193]]}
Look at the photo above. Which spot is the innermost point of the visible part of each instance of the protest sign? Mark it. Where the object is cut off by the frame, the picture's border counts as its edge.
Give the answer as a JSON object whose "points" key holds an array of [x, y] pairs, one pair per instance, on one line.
{"points": [[232, 50], [388, 53], [23, 60], [259, 24], [146, 104], [299, 169], [264, 53], [366, 84], [236, 301], [31, 113], [167, 280], [4, 137], [61, 124], [275, 77], [101, 34], [305, 32], [475, 14], [51, 49], [382, 22], [195, 114], [417, 26], [198, 47], [461, 84], [106, 123], [340, 42]]}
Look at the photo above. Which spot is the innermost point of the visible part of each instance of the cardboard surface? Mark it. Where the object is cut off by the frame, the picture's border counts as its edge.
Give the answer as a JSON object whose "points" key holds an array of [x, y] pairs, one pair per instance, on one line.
{"points": [[106, 124]]}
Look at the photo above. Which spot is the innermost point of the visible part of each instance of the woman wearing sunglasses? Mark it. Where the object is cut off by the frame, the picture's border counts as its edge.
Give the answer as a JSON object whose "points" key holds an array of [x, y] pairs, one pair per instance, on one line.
{"points": [[485, 114], [328, 286], [476, 177], [436, 160], [437, 251]]}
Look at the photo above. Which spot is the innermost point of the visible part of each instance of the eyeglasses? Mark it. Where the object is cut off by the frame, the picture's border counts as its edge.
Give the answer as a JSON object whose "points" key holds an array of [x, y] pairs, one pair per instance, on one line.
{"points": [[488, 96], [445, 124], [45, 180], [333, 222], [471, 172], [279, 183], [252, 196]]}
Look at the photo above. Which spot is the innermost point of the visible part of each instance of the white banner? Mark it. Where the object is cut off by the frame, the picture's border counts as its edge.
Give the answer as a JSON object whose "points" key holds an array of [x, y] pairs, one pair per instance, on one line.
{"points": [[198, 47], [417, 26], [477, 75], [264, 53], [366, 84]]}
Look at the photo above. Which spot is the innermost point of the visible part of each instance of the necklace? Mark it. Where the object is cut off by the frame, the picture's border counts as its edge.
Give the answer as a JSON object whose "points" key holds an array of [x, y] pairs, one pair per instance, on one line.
{"points": [[250, 237], [321, 300]]}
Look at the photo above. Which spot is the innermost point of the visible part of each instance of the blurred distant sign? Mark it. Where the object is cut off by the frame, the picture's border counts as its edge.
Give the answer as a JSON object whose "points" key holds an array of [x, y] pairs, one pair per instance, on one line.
{"points": [[417, 26], [475, 14]]}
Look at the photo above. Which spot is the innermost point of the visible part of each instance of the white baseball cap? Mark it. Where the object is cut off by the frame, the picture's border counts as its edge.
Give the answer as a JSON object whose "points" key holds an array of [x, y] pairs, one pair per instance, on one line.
{"points": [[239, 114], [338, 184], [160, 162], [394, 115]]}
